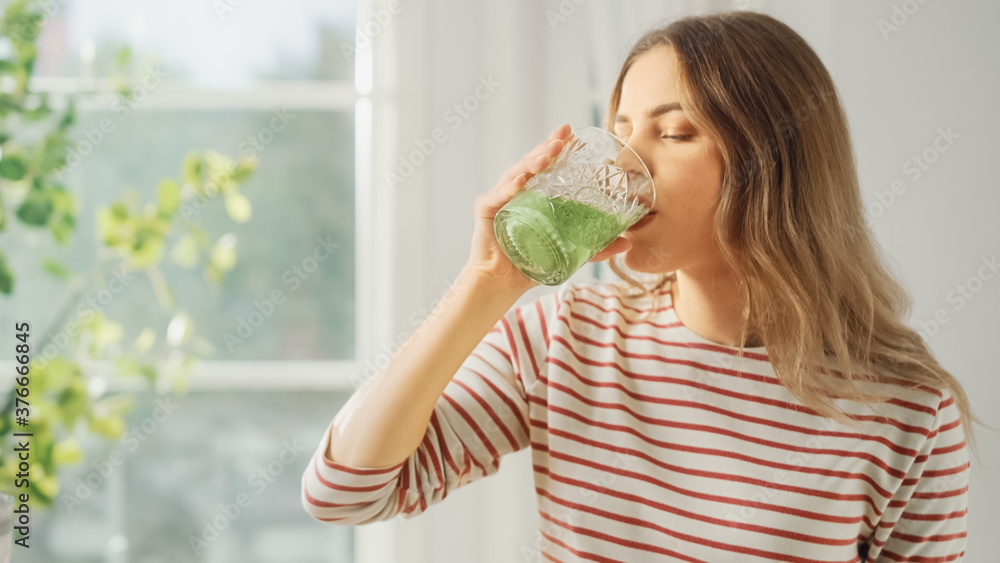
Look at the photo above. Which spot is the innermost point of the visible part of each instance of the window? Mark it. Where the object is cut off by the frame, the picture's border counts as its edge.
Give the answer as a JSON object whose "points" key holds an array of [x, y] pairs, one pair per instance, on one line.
{"points": [[276, 79]]}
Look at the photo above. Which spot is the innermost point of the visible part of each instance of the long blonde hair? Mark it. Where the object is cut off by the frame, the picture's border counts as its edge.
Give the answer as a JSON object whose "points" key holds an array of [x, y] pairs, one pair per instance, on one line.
{"points": [[790, 220]]}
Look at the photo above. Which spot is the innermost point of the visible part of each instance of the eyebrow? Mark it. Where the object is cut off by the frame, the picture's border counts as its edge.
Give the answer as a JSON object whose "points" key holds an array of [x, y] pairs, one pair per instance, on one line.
{"points": [[655, 112]]}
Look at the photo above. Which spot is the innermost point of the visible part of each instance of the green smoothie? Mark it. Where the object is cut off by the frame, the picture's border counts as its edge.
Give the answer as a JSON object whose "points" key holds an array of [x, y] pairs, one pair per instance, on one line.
{"points": [[550, 238]]}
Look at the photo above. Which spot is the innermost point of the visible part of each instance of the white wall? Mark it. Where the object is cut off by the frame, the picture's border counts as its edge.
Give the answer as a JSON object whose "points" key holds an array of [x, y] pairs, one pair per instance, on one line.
{"points": [[939, 70]]}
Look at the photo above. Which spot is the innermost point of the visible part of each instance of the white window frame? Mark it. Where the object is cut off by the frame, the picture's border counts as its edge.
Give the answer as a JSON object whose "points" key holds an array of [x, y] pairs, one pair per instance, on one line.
{"points": [[367, 98]]}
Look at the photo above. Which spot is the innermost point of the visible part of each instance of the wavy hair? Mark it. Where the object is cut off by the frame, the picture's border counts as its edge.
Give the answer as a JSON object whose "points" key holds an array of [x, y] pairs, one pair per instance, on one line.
{"points": [[790, 219]]}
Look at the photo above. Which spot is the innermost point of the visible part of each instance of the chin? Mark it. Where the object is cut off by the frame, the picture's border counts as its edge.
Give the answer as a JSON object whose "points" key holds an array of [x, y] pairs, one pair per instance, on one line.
{"points": [[646, 261]]}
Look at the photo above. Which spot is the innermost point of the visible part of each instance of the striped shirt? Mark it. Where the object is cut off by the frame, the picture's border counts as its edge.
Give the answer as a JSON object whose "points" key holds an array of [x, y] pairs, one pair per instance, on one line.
{"points": [[651, 443]]}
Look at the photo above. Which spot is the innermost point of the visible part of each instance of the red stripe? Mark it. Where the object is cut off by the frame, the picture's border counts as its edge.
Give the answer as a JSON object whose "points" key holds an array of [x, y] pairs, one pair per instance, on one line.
{"points": [[359, 470], [324, 504], [689, 493], [678, 344], [336, 487], [731, 414], [892, 380], [505, 355], [721, 431], [644, 524], [920, 559], [527, 341], [945, 472], [617, 315], [541, 320], [923, 539], [712, 389], [707, 451], [935, 517], [944, 494], [479, 433], [507, 401], [608, 538], [713, 475], [620, 301], [513, 351], [688, 515], [489, 410], [444, 447], [429, 448]]}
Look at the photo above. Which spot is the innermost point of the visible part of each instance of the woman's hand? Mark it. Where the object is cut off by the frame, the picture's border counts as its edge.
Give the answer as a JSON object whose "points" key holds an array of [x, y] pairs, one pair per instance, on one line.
{"points": [[487, 259]]}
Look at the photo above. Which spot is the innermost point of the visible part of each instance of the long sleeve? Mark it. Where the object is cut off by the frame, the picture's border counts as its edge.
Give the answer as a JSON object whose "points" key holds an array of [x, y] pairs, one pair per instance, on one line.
{"points": [[929, 512], [481, 416]]}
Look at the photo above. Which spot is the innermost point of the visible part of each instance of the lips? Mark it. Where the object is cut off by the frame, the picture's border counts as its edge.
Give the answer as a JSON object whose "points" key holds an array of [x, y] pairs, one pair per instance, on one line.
{"points": [[646, 219]]}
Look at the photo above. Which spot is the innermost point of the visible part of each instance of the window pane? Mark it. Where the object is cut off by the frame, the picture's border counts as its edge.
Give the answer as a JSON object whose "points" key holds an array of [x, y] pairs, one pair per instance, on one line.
{"points": [[164, 480], [303, 211], [217, 44]]}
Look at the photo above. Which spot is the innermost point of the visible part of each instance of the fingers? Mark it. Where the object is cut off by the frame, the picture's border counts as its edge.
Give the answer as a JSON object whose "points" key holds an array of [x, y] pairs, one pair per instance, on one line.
{"points": [[540, 157], [620, 244]]}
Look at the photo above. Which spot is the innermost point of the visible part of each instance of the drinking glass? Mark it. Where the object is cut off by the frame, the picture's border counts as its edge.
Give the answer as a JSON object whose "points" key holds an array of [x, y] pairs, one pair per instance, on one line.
{"points": [[591, 193]]}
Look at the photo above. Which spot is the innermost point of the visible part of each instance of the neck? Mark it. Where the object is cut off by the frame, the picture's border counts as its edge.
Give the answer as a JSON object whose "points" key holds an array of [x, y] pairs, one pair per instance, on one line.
{"points": [[708, 302]]}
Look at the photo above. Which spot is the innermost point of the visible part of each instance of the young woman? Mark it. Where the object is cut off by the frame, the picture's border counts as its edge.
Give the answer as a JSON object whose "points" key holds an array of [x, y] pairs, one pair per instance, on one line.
{"points": [[764, 401]]}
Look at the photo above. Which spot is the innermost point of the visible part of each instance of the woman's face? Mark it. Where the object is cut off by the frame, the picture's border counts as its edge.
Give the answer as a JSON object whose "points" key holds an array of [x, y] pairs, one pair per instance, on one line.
{"points": [[685, 164]]}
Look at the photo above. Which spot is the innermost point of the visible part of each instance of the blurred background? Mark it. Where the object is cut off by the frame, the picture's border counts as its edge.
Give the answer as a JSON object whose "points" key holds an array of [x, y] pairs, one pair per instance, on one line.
{"points": [[372, 127]]}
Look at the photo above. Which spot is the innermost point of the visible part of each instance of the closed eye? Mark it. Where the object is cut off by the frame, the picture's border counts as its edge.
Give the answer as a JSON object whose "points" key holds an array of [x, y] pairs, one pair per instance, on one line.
{"points": [[678, 137]]}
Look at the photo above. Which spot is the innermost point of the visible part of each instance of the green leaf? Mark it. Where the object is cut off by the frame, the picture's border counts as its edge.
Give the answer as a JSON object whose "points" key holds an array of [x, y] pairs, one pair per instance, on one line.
{"points": [[57, 269], [238, 207], [213, 274], [13, 167], [147, 253], [149, 372], [6, 277], [123, 56], [36, 207], [119, 211], [73, 402], [198, 234], [223, 253], [106, 334], [63, 229], [111, 426], [170, 197], [126, 366], [69, 117], [193, 169], [144, 341], [67, 452], [185, 252], [244, 170], [53, 153], [56, 374]]}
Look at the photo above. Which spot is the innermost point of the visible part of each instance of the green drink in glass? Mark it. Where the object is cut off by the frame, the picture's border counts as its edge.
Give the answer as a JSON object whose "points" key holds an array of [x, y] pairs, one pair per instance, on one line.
{"points": [[594, 190]]}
